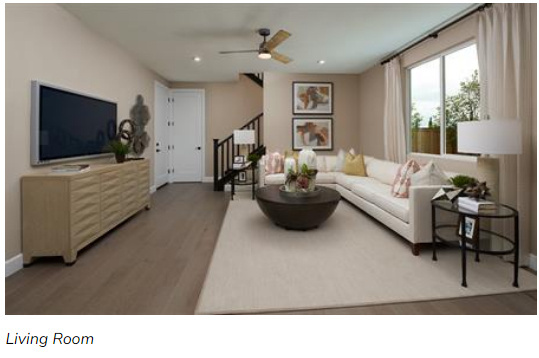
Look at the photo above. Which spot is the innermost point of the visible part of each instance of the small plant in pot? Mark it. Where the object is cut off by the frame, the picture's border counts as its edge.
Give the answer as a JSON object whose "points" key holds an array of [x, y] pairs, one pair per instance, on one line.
{"points": [[119, 149], [254, 158], [462, 181]]}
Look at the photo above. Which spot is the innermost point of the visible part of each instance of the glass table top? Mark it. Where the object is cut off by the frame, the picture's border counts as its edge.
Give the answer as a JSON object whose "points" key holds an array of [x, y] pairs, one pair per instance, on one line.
{"points": [[500, 210]]}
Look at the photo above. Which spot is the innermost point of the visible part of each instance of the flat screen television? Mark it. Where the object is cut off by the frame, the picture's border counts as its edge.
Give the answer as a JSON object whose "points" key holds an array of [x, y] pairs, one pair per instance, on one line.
{"points": [[67, 125]]}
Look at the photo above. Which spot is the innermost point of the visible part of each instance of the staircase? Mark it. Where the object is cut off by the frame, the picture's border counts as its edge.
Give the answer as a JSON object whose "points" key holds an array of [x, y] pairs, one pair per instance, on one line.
{"points": [[225, 150], [257, 78]]}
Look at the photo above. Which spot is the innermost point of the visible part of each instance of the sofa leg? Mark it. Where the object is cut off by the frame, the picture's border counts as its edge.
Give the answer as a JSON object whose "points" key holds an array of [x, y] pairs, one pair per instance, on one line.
{"points": [[415, 249]]}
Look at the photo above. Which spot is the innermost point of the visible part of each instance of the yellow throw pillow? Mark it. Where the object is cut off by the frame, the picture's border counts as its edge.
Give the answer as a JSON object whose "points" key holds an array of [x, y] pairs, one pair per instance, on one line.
{"points": [[291, 154], [354, 165]]}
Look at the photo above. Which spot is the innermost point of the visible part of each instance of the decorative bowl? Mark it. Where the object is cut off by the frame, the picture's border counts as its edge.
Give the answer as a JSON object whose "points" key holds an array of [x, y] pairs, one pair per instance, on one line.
{"points": [[299, 193]]}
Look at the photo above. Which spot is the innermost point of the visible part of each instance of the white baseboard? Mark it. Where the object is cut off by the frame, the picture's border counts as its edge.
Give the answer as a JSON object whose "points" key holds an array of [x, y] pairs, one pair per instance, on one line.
{"points": [[533, 262], [207, 180], [153, 188], [13, 265]]}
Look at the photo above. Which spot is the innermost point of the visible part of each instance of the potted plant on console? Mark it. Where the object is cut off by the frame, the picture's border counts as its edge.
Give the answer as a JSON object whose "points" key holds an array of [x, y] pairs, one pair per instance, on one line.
{"points": [[119, 149]]}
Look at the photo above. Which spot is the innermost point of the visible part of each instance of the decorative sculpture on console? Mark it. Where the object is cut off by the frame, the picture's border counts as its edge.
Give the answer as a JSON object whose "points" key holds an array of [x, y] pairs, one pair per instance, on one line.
{"points": [[132, 130]]}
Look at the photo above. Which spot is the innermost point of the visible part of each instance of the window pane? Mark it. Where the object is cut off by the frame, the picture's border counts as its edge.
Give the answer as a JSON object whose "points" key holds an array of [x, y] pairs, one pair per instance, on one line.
{"points": [[425, 108], [461, 93]]}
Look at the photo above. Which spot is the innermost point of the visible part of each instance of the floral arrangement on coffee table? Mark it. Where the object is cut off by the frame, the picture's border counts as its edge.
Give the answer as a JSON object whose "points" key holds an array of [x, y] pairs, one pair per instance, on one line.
{"points": [[303, 180]]}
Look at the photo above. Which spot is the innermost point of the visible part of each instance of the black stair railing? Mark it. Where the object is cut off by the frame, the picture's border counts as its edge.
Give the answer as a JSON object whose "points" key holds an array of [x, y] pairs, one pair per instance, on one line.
{"points": [[224, 152], [257, 78]]}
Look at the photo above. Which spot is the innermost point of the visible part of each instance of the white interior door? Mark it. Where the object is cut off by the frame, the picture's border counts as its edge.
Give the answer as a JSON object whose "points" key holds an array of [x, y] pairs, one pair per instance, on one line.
{"points": [[162, 117], [187, 135]]}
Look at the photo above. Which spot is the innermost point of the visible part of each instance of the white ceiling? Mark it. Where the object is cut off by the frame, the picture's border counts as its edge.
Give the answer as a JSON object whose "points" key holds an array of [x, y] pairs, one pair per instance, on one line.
{"points": [[349, 37]]}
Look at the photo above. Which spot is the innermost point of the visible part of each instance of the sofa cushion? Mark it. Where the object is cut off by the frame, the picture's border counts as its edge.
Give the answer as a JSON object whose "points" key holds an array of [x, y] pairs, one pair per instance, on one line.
{"points": [[275, 179], [321, 164], [347, 181], [379, 194], [325, 178], [331, 162], [382, 170]]}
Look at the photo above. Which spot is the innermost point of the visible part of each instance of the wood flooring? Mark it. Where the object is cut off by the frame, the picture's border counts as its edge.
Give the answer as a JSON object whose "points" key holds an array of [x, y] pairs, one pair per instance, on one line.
{"points": [[156, 262]]}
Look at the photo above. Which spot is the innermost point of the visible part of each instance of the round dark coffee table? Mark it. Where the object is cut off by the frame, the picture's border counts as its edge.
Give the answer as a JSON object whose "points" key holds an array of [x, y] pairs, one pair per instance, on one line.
{"points": [[296, 212]]}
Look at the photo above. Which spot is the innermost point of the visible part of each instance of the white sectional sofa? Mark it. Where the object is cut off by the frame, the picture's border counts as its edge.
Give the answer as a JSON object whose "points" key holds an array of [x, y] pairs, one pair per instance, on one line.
{"points": [[409, 217]]}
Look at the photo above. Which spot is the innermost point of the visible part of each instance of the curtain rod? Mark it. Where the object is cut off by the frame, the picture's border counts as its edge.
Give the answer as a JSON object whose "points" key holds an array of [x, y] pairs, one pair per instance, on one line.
{"points": [[435, 33]]}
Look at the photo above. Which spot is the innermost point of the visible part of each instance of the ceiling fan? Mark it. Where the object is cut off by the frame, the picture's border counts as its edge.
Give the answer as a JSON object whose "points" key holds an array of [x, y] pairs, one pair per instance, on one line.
{"points": [[266, 50]]}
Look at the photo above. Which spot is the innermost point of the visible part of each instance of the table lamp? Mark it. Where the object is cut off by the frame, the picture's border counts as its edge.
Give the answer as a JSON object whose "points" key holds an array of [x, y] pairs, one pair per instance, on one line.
{"points": [[487, 137], [244, 137]]}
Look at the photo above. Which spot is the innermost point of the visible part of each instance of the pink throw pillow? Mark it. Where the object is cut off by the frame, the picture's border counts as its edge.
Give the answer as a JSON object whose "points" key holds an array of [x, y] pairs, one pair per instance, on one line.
{"points": [[274, 163], [401, 184]]}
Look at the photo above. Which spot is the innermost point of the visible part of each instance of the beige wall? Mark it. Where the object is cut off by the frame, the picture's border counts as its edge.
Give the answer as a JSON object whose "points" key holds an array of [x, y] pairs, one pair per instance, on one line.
{"points": [[47, 43], [229, 105], [278, 109], [371, 111]]}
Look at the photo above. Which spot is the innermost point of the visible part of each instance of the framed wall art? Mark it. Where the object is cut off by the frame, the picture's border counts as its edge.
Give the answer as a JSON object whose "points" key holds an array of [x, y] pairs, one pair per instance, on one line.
{"points": [[312, 133], [312, 98]]}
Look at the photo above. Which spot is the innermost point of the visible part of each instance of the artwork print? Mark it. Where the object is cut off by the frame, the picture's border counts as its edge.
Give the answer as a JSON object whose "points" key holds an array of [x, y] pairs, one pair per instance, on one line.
{"points": [[312, 98], [312, 133]]}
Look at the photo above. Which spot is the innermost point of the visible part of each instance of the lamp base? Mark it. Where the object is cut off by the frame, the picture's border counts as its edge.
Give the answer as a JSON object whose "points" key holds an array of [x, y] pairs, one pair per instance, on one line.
{"points": [[487, 170]]}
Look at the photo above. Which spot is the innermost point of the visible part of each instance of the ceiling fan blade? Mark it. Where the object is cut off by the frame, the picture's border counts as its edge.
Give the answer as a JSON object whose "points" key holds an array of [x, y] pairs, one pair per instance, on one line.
{"points": [[280, 57], [277, 39], [239, 51]]}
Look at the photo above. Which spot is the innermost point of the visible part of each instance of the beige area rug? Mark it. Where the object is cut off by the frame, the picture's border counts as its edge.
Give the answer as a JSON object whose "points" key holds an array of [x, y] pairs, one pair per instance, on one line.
{"points": [[351, 260]]}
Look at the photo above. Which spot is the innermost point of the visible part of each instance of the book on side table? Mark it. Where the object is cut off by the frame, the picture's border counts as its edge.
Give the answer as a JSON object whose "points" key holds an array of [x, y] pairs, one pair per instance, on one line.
{"points": [[474, 205]]}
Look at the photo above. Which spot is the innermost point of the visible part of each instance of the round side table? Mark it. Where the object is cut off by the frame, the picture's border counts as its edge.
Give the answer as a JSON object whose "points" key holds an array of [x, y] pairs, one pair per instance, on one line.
{"points": [[457, 235]]}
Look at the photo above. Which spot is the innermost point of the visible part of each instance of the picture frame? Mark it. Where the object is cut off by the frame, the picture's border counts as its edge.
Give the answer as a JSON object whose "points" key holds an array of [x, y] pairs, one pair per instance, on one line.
{"points": [[242, 177], [312, 98], [239, 159], [312, 133], [471, 226]]}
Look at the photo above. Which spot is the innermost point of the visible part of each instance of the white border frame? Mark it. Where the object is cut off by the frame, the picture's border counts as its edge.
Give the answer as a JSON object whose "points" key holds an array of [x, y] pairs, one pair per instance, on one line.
{"points": [[34, 124]]}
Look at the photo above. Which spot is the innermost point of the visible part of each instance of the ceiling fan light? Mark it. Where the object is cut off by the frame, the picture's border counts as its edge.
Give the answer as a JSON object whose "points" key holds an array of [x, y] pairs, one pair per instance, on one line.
{"points": [[264, 54]]}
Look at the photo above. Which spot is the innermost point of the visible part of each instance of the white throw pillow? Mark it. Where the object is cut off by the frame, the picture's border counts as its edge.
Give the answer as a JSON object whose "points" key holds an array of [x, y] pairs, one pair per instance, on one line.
{"points": [[341, 157], [321, 164], [331, 162], [430, 174], [382, 170]]}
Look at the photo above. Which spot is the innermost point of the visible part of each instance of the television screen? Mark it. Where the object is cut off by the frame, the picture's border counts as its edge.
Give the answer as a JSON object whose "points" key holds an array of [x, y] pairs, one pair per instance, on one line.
{"points": [[72, 125]]}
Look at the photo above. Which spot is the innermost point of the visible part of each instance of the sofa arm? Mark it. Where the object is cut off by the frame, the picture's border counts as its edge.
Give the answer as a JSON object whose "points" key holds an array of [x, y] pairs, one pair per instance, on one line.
{"points": [[262, 172], [420, 211]]}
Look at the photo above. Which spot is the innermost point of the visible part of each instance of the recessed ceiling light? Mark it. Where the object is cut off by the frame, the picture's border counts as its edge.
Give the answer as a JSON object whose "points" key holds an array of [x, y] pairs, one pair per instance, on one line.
{"points": [[321, 62], [197, 59]]}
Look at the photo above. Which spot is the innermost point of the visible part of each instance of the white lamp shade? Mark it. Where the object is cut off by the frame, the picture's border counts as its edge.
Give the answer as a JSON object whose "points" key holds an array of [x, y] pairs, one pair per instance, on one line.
{"points": [[495, 136], [244, 136]]}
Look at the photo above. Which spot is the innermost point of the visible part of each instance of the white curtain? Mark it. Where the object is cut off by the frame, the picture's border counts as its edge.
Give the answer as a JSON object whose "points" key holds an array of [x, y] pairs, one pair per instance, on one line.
{"points": [[505, 64], [394, 128]]}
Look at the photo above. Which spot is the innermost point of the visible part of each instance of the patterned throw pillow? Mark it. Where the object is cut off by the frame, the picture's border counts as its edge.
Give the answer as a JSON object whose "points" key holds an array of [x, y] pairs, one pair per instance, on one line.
{"points": [[402, 179], [274, 163]]}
